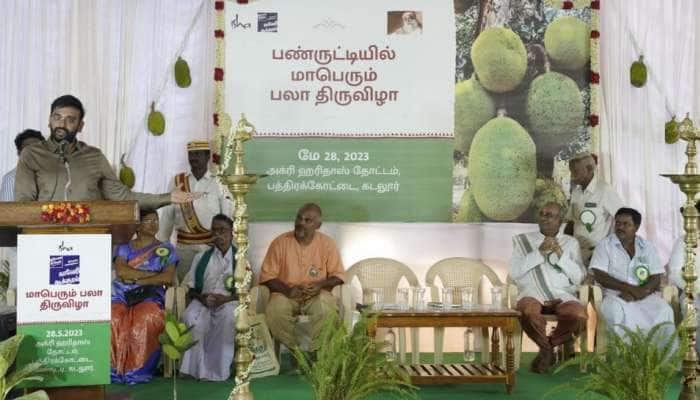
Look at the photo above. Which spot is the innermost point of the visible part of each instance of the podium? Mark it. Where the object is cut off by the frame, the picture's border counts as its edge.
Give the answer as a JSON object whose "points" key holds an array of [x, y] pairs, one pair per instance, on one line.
{"points": [[117, 219]]}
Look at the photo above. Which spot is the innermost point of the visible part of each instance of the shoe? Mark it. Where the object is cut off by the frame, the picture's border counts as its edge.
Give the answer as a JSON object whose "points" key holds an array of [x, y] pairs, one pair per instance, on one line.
{"points": [[569, 350], [544, 360]]}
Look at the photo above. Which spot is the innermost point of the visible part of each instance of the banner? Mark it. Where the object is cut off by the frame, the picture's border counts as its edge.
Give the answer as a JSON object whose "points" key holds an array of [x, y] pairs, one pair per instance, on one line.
{"points": [[353, 105], [63, 306]]}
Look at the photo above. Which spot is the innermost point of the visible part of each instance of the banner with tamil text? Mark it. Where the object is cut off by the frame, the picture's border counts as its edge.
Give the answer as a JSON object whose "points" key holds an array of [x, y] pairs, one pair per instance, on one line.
{"points": [[353, 105]]}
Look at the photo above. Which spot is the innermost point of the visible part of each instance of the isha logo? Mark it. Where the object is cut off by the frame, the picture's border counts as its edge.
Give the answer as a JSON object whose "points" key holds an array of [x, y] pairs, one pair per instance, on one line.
{"points": [[235, 23], [64, 270]]}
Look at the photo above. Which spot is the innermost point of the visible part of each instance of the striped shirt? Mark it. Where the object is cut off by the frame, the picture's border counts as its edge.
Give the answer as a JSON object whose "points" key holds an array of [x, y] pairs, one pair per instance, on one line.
{"points": [[546, 278], [7, 187]]}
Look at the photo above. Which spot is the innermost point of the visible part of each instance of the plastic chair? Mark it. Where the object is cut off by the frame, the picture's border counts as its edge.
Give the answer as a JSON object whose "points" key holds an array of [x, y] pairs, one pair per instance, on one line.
{"points": [[385, 273], [581, 340], [460, 272]]}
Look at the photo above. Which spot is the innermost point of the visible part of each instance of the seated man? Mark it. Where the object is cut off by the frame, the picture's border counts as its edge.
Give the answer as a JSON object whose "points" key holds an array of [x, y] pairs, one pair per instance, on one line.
{"points": [[675, 272], [628, 268], [547, 268], [210, 314], [300, 269]]}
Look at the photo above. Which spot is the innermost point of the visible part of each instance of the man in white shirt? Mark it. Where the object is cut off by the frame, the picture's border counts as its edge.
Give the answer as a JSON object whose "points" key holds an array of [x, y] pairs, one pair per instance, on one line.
{"points": [[675, 272], [593, 205], [210, 314], [191, 220], [546, 266], [628, 268]]}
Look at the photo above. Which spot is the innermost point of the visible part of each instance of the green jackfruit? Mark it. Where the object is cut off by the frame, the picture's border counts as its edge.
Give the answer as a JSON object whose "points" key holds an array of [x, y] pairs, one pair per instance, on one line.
{"points": [[568, 43], [638, 73], [554, 108], [171, 352], [502, 169], [172, 331], [182, 73], [671, 131], [473, 108], [500, 59], [468, 210], [126, 174], [156, 121], [546, 191]]}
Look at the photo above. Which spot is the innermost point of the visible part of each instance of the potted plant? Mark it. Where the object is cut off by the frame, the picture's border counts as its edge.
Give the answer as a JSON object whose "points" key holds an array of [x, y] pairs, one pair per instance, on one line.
{"points": [[32, 372], [636, 365], [349, 365], [175, 341]]}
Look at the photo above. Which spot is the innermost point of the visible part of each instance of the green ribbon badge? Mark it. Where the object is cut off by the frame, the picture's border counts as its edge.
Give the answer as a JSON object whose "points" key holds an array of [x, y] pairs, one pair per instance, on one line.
{"points": [[587, 218], [163, 253], [553, 263], [229, 283], [641, 272]]}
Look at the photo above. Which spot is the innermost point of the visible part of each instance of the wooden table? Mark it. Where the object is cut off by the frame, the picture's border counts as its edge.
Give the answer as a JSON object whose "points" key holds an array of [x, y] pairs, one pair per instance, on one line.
{"points": [[504, 320]]}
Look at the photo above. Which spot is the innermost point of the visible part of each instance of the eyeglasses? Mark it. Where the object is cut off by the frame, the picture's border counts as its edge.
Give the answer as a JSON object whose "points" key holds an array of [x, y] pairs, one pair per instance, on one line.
{"points": [[220, 231]]}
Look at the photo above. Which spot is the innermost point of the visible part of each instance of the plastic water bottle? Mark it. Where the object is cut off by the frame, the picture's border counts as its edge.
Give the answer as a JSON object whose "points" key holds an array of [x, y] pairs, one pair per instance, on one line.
{"points": [[469, 353], [391, 345]]}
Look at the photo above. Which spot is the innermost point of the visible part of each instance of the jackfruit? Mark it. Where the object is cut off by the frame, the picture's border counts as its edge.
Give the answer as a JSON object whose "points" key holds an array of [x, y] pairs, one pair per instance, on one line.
{"points": [[182, 73], [156, 121], [568, 43], [671, 131], [638, 73], [555, 109], [546, 191], [500, 59], [473, 108], [126, 174], [502, 169], [468, 210]]}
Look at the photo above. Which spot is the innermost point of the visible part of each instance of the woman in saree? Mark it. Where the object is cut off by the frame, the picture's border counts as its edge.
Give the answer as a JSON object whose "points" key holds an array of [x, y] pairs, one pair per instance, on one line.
{"points": [[144, 266]]}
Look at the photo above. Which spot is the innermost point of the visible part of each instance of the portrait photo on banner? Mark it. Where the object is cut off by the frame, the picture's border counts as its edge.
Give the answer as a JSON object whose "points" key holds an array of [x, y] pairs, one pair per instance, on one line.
{"points": [[522, 105]]}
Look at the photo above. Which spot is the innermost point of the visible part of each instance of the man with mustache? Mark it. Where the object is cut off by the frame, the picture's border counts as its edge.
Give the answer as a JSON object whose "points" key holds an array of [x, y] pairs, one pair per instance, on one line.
{"points": [[628, 268], [300, 269], [210, 314], [192, 220], [547, 268], [64, 168]]}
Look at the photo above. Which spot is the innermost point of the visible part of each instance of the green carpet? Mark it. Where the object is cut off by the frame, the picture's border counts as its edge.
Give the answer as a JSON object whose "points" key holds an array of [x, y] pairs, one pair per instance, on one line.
{"points": [[289, 387]]}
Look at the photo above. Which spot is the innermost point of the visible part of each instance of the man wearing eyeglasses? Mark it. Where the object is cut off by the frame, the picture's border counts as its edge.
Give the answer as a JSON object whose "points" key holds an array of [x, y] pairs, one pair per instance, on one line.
{"points": [[66, 169]]}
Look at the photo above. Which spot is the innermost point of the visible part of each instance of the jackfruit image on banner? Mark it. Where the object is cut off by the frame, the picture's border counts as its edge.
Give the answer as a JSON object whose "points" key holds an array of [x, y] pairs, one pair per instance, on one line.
{"points": [[500, 59], [502, 169], [473, 108], [555, 109], [568, 43], [156, 122], [638, 73], [468, 210], [546, 191]]}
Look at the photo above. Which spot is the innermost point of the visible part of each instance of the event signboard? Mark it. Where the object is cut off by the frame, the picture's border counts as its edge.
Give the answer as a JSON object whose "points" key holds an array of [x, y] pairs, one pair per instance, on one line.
{"points": [[63, 306]]}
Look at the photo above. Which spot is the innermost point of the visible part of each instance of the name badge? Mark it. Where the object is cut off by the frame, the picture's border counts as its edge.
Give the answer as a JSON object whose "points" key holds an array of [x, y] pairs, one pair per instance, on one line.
{"points": [[590, 205]]}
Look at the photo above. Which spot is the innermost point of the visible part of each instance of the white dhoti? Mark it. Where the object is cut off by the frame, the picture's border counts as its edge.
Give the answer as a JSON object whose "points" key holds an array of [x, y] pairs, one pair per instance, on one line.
{"points": [[643, 314], [210, 359]]}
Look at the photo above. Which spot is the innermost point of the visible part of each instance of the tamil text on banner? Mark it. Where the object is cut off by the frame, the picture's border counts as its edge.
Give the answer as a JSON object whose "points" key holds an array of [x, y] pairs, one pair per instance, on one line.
{"points": [[63, 305], [353, 105]]}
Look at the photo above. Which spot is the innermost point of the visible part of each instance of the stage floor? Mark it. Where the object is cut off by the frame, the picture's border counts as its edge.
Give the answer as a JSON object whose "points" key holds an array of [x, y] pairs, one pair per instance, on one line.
{"points": [[528, 386]]}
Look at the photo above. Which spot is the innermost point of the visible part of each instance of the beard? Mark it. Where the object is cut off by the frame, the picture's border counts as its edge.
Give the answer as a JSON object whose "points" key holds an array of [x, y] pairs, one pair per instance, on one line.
{"points": [[61, 134]]}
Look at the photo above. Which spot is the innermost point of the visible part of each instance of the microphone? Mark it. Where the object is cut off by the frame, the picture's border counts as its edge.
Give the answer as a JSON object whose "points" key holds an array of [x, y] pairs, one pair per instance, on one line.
{"points": [[62, 155], [62, 150]]}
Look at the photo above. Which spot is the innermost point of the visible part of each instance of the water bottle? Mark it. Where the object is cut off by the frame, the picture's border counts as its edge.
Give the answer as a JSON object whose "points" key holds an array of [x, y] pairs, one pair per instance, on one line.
{"points": [[391, 345], [469, 353]]}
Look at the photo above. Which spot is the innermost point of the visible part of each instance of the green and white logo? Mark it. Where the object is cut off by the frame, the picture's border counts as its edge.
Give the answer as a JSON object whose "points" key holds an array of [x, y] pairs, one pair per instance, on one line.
{"points": [[587, 218]]}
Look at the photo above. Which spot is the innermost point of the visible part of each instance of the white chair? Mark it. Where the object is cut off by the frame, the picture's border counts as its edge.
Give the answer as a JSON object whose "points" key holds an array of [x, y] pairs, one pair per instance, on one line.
{"points": [[581, 340], [458, 272], [385, 274]]}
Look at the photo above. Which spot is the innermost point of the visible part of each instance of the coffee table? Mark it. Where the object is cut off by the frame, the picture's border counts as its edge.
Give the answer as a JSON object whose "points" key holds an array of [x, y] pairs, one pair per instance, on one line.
{"points": [[503, 319]]}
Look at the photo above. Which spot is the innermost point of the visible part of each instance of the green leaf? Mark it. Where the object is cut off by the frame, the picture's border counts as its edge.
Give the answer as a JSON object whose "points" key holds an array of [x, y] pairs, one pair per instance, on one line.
{"points": [[8, 352], [38, 395], [171, 352], [163, 338], [173, 332], [31, 372]]}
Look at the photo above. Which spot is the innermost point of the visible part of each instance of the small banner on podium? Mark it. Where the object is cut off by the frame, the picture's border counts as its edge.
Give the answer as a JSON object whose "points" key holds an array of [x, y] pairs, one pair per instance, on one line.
{"points": [[63, 306]]}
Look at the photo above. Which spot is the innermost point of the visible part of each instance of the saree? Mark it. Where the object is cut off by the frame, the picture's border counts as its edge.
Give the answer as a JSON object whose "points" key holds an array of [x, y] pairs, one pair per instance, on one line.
{"points": [[135, 349]]}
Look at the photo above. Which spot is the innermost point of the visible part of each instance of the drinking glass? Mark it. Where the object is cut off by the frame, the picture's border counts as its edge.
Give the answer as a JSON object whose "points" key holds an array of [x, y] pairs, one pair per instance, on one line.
{"points": [[402, 296], [496, 297]]}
